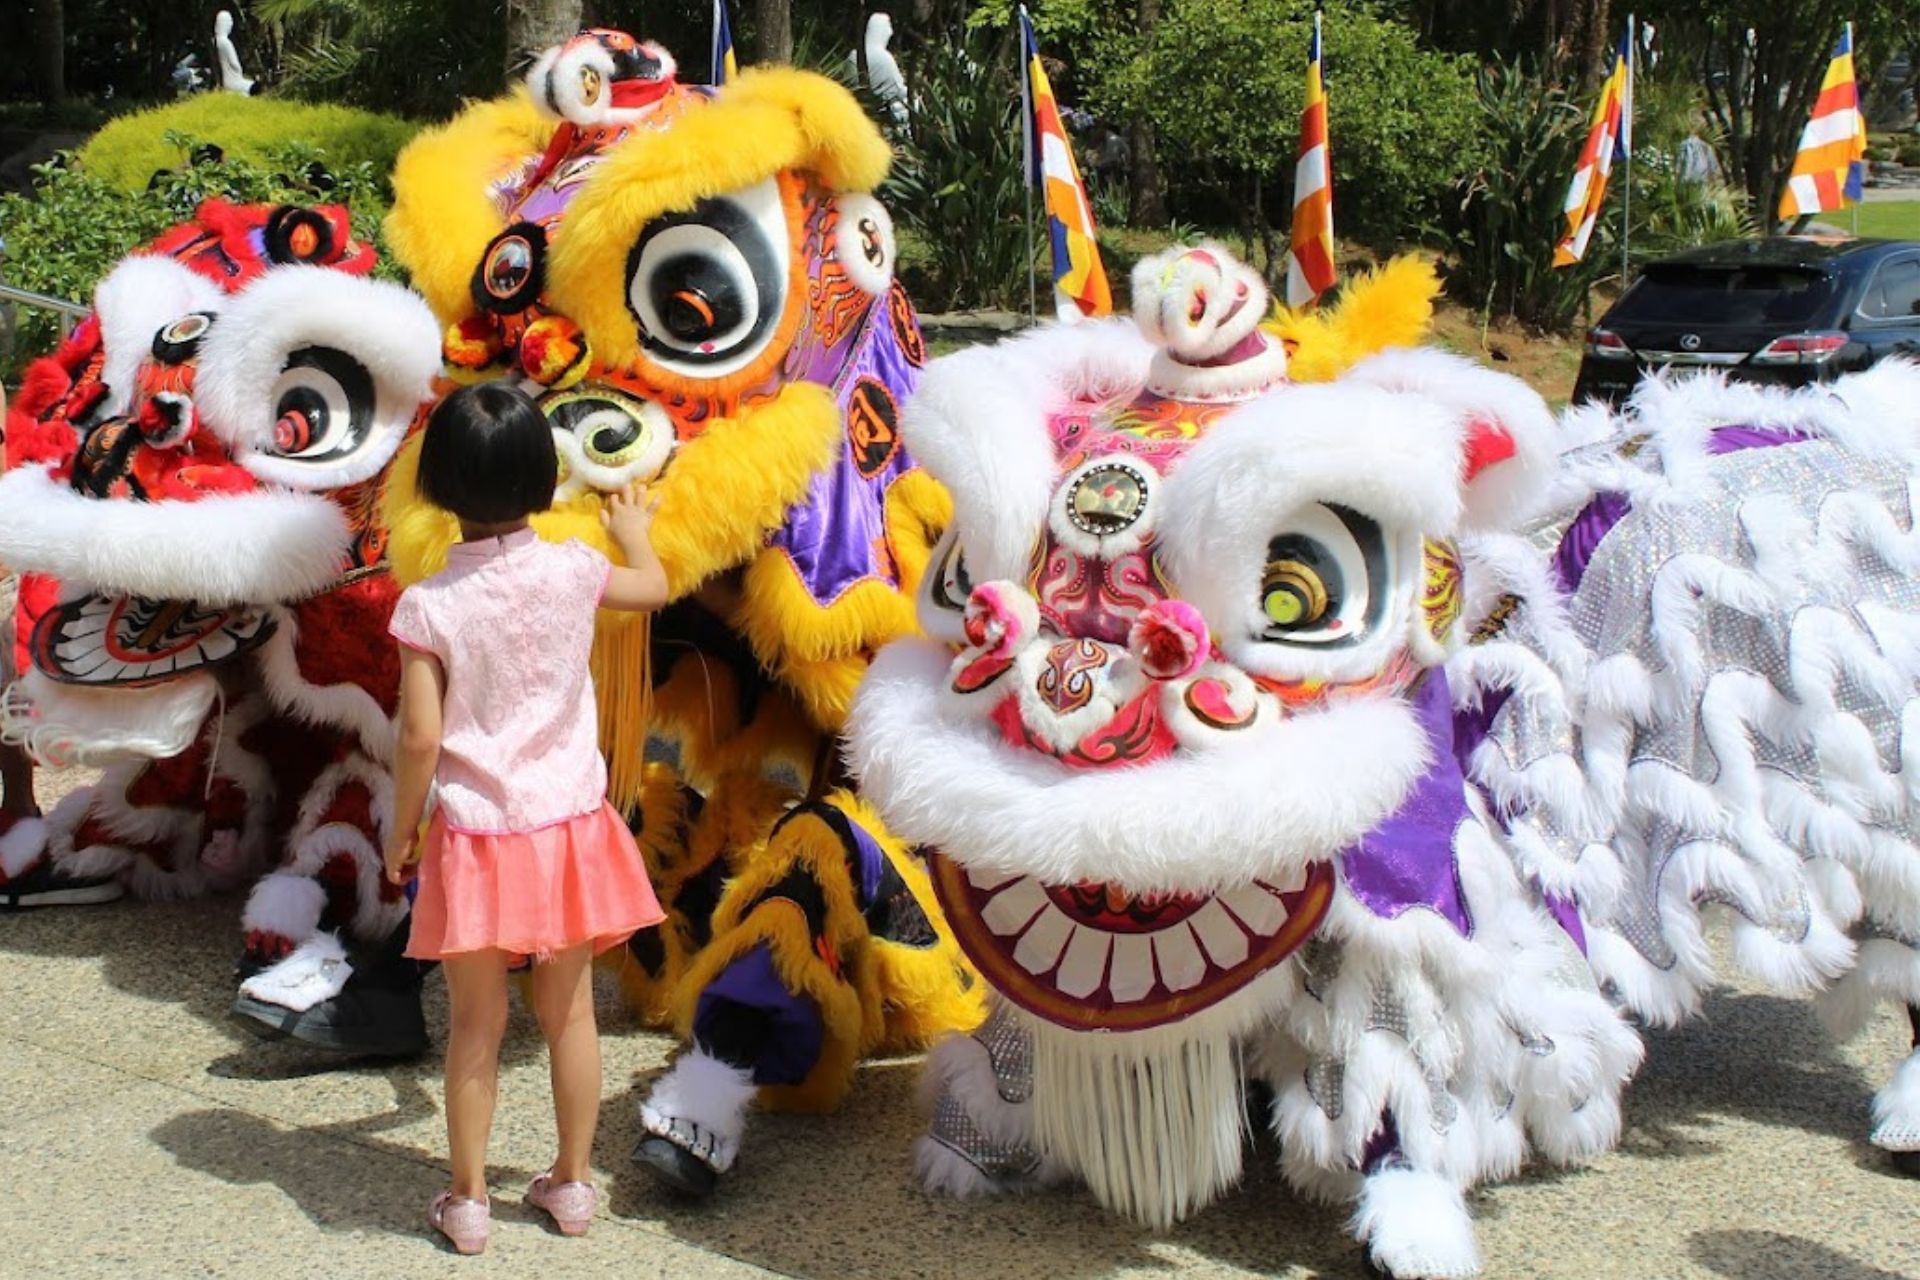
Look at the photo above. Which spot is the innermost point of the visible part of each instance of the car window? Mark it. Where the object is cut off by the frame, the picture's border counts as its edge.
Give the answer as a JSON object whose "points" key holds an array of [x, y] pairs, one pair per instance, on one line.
{"points": [[1688, 293], [1894, 293]]}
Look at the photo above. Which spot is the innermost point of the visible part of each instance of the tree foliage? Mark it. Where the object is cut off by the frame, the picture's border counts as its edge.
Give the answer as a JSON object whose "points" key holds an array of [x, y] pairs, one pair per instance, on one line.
{"points": [[1223, 82], [1759, 92]]}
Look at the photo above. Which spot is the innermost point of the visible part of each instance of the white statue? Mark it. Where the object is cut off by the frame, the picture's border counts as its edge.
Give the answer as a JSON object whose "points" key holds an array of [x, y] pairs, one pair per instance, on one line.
{"points": [[232, 78], [883, 73]]}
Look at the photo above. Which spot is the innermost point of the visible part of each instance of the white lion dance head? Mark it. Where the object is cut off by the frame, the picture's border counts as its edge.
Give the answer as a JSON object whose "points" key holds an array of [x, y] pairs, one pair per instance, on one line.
{"points": [[1182, 748]]}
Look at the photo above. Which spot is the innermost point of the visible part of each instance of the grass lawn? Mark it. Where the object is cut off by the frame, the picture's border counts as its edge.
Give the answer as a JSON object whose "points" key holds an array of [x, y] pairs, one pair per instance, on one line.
{"points": [[1893, 219]]}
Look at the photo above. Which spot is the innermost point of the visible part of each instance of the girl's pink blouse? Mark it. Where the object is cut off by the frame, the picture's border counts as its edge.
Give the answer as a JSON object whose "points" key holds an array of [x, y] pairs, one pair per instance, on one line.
{"points": [[511, 621]]}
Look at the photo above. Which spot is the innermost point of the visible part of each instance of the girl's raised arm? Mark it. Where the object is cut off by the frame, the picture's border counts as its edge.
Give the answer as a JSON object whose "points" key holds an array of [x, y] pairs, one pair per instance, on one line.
{"points": [[642, 585]]}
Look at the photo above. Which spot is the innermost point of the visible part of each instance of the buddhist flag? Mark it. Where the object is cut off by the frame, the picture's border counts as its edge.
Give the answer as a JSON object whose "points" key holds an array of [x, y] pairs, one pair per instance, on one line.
{"points": [[1079, 281], [1609, 136], [1832, 160], [725, 67], [1310, 254]]}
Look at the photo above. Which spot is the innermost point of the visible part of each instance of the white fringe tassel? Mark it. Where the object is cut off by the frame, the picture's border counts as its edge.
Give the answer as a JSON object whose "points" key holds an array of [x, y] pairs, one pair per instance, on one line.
{"points": [[1155, 1124]]}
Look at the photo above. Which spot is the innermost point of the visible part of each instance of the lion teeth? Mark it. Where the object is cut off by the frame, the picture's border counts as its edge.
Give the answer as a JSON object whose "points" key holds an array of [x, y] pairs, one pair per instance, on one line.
{"points": [[1040, 948], [1086, 963], [1181, 964], [1132, 967], [1257, 908], [1013, 908], [1224, 939]]}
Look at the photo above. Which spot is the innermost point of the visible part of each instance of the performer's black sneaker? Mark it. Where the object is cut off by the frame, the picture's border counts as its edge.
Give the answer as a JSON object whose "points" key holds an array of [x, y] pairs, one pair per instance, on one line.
{"points": [[44, 885], [676, 1167], [376, 1015], [364, 1020], [1906, 1162]]}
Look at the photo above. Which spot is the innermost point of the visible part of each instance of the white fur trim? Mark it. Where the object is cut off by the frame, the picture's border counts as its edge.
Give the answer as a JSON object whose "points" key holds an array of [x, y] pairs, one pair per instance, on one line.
{"points": [[1896, 1109], [386, 329], [316, 972], [1498, 495], [1304, 788], [65, 724], [345, 706], [978, 424], [223, 549], [704, 1091], [24, 844], [137, 298], [286, 906], [1415, 1224]]}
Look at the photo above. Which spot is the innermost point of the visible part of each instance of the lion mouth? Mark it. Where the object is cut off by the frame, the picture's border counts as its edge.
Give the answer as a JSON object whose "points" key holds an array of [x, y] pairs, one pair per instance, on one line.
{"points": [[1097, 955]]}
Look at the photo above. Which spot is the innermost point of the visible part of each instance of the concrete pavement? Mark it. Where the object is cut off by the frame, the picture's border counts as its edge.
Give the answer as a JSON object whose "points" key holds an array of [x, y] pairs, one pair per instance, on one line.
{"points": [[150, 1137]]}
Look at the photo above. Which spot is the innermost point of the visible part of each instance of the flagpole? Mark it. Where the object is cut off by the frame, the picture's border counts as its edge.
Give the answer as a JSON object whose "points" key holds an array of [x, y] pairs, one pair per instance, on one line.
{"points": [[1626, 185], [1027, 54], [1855, 53]]}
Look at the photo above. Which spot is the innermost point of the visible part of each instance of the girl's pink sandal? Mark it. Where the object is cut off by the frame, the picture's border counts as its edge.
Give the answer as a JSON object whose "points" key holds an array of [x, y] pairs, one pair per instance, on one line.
{"points": [[467, 1224], [569, 1204]]}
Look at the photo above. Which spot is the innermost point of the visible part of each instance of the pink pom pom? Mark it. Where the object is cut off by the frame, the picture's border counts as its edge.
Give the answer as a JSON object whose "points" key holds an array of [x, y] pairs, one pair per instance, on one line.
{"points": [[1000, 618], [1169, 639]]}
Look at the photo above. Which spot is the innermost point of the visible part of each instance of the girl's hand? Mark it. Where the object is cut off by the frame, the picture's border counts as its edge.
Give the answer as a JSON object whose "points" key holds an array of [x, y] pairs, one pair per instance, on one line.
{"points": [[401, 859], [628, 516]]}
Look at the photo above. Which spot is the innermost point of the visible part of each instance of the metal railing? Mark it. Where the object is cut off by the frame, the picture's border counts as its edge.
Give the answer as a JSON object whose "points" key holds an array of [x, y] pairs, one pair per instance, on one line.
{"points": [[67, 311]]}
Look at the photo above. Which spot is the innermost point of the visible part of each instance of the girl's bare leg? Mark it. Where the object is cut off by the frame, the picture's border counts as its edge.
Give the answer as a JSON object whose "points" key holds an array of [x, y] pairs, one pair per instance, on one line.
{"points": [[477, 991], [563, 1001]]}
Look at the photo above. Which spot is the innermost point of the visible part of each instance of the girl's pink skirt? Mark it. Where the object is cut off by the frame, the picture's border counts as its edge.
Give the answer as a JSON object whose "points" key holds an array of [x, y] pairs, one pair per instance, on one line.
{"points": [[531, 893]]}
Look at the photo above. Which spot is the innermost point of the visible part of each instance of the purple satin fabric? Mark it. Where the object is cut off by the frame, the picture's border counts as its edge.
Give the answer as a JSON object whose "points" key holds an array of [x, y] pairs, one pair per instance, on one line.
{"points": [[798, 1031], [836, 536], [1567, 912], [1408, 860]]}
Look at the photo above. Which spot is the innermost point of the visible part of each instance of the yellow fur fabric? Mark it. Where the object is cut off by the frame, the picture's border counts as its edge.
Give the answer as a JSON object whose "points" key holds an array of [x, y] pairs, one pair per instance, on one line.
{"points": [[442, 216], [769, 121], [821, 651], [870, 994], [726, 489], [1391, 306]]}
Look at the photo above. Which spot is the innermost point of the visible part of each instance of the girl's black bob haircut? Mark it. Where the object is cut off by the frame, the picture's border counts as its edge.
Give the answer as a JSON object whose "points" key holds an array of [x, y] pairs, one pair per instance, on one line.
{"points": [[488, 455]]}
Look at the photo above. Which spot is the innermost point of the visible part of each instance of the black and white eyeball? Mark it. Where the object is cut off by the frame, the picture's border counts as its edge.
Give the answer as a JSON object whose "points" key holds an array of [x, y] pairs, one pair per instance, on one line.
{"points": [[312, 376], [1325, 579], [178, 341], [708, 288], [606, 438], [863, 242], [323, 406], [944, 590]]}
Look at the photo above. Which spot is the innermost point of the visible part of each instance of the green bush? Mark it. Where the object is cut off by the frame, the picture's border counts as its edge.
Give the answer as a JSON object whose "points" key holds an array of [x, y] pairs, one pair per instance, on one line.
{"points": [[128, 151], [1506, 216], [1909, 153], [956, 190], [69, 232]]}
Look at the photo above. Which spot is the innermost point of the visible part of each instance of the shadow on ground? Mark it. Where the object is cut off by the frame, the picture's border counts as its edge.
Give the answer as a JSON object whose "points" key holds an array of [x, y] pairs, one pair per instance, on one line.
{"points": [[1748, 1255], [834, 1196]]}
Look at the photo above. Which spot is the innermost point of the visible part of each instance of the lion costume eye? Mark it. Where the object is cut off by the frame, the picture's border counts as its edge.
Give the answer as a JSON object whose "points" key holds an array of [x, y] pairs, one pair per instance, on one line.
{"points": [[1319, 583], [607, 437], [323, 405], [708, 288]]}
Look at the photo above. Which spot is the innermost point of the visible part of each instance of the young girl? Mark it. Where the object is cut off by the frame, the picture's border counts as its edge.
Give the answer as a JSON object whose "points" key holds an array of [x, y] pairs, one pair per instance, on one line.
{"points": [[525, 858]]}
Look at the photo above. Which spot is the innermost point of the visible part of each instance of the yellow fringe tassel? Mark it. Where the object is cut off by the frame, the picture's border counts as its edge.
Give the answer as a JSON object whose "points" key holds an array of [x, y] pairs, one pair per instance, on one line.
{"points": [[622, 666]]}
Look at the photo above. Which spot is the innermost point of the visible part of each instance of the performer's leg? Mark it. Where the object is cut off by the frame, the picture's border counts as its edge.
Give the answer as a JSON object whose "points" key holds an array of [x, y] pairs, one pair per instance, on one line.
{"points": [[819, 942], [1896, 1108]]}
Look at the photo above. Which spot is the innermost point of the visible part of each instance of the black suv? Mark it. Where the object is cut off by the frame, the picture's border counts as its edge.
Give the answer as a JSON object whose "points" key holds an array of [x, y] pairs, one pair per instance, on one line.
{"points": [[1788, 310]]}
